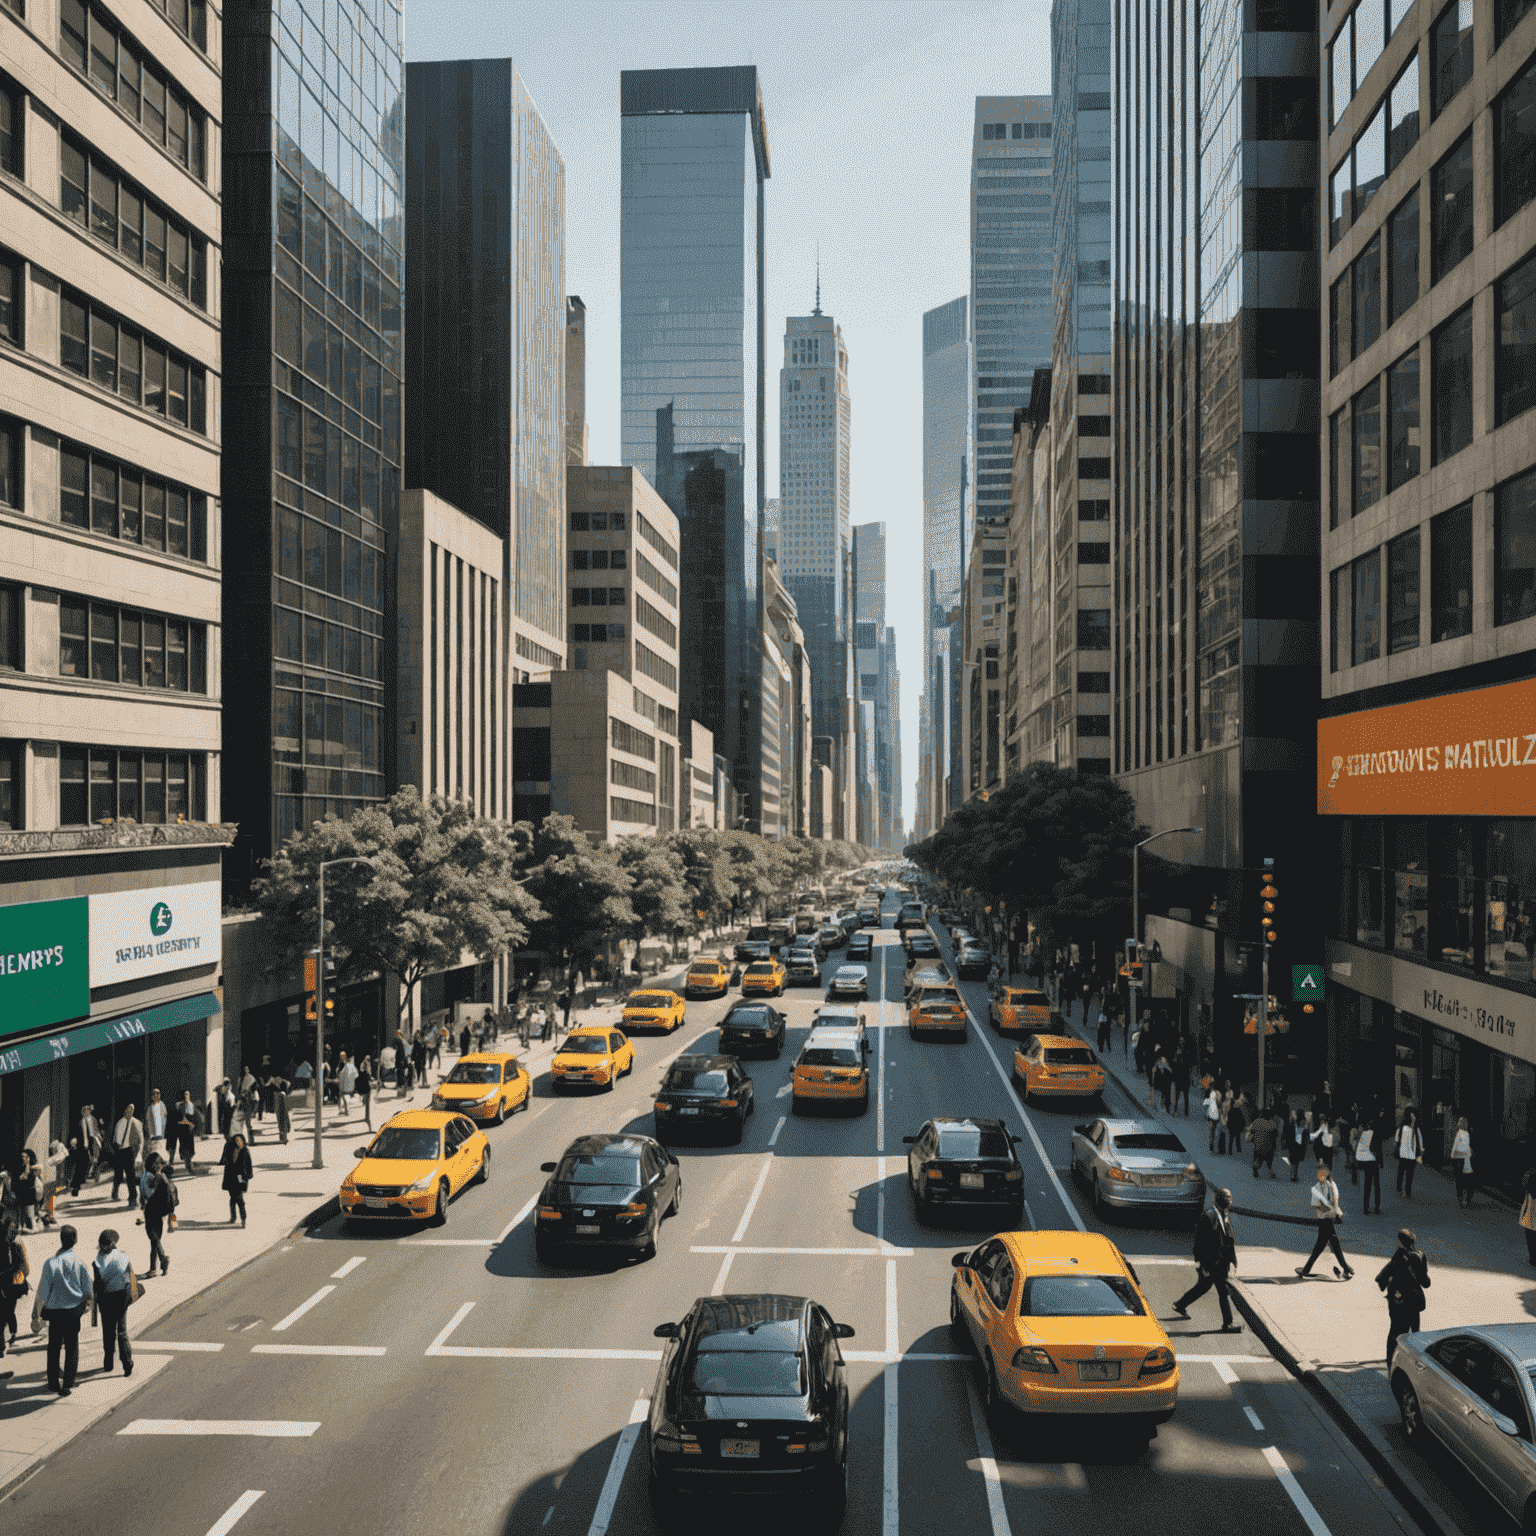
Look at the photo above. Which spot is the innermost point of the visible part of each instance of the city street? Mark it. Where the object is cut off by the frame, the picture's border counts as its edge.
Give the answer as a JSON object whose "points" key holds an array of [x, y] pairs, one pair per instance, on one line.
{"points": [[441, 1378]]}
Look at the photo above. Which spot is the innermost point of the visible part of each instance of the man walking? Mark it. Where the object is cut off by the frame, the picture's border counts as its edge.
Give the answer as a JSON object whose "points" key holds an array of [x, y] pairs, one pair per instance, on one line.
{"points": [[156, 1118], [86, 1143], [1368, 1154], [1215, 1258], [63, 1289], [464, 1040], [346, 1081], [1404, 1278], [186, 1131], [127, 1144], [419, 1059], [1263, 1134], [110, 1296], [402, 1066], [1325, 1208]]}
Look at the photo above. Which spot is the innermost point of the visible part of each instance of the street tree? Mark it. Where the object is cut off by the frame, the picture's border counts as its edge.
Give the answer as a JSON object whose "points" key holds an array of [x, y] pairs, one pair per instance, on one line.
{"points": [[583, 889], [709, 883], [658, 894]]}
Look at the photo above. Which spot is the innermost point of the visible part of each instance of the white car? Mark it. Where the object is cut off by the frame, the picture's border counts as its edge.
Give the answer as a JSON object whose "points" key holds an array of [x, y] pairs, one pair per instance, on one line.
{"points": [[842, 1016], [849, 981]]}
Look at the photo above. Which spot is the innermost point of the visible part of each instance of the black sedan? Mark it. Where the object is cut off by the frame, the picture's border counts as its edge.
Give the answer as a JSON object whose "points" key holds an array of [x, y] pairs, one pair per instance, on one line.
{"points": [[861, 947], [750, 1027], [921, 946], [751, 1398], [608, 1192], [974, 963], [965, 1162], [710, 1094]]}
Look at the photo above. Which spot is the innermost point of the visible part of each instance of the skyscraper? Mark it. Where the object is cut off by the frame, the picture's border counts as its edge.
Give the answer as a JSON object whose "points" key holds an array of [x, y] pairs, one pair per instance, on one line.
{"points": [[313, 154], [879, 682], [486, 423], [694, 157], [815, 536]]}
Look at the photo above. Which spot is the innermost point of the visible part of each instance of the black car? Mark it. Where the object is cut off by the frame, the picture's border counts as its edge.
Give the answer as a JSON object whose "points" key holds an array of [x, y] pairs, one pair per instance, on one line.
{"points": [[704, 1093], [963, 1161], [609, 1191], [911, 915], [752, 1027], [753, 949], [861, 947], [974, 962], [922, 946], [751, 1398], [802, 968]]}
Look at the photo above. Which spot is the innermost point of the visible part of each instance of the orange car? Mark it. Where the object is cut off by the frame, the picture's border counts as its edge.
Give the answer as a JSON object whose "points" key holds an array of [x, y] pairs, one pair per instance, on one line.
{"points": [[935, 1008], [708, 976], [1019, 1010], [485, 1085], [1057, 1066], [763, 978]]}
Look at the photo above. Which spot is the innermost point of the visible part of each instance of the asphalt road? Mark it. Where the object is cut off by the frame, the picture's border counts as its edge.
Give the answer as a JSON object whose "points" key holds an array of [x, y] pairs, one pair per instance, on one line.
{"points": [[441, 1379]]}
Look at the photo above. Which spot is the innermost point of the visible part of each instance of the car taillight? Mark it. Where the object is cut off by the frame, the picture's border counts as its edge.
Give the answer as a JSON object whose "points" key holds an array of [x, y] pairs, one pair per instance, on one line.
{"points": [[662, 1105], [935, 1173], [548, 1213], [1014, 1175], [1035, 1360], [1158, 1363], [728, 1103]]}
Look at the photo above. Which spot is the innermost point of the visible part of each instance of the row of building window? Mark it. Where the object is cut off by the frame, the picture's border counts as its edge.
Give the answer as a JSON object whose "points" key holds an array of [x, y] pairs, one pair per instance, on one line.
{"points": [[333, 359], [658, 714], [314, 241], [109, 644], [597, 522], [585, 597], [628, 776], [626, 738], [656, 622], [659, 670], [653, 537], [316, 642], [130, 363], [1355, 317], [595, 634], [118, 501], [317, 453], [633, 811], [599, 559], [329, 735], [328, 560], [654, 579], [101, 784]]}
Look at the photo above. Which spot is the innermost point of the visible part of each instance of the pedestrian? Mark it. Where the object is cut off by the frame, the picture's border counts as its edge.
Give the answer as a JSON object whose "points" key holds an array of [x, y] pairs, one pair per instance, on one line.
{"points": [[29, 1189], [565, 1001], [1215, 1259], [1162, 1080], [1323, 1103], [127, 1144], [1366, 1149], [1404, 1278], [1461, 1162], [1410, 1152], [86, 1143], [14, 1283], [346, 1081], [1326, 1210], [434, 1047], [402, 1066], [186, 1131], [264, 1084], [464, 1040], [236, 1163], [63, 1290], [280, 1086], [364, 1086], [1237, 1120], [1263, 1134], [1181, 1078], [1355, 1125], [1106, 1023], [58, 1156], [157, 1117], [1324, 1141], [113, 1288], [159, 1211], [1213, 1113], [549, 1020], [1528, 1213], [418, 1060], [249, 1101]]}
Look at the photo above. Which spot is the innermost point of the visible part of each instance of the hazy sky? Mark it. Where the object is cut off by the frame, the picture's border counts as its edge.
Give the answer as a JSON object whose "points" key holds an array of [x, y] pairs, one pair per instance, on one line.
{"points": [[869, 109]]}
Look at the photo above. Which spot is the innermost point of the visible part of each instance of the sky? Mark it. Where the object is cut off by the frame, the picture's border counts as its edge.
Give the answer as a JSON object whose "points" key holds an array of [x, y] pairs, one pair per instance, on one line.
{"points": [[870, 109]]}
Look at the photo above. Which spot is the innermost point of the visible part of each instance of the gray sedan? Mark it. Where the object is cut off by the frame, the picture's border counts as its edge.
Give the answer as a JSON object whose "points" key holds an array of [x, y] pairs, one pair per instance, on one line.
{"points": [[1136, 1164], [1471, 1389]]}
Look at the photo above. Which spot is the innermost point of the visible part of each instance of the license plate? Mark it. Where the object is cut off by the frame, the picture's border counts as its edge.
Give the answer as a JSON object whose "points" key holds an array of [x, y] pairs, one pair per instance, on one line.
{"points": [[1098, 1370], [740, 1447], [588, 1231], [375, 1204], [973, 1181], [687, 1111], [1159, 1180], [1072, 1074]]}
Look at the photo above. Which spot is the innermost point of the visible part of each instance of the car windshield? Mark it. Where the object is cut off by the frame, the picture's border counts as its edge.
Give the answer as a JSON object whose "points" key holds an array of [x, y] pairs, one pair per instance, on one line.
{"points": [[1148, 1141], [829, 1056], [650, 1000], [475, 1072], [600, 1168], [1079, 1296], [760, 968], [747, 1373], [1069, 1056], [405, 1144], [585, 1045], [972, 1141], [691, 1080]]}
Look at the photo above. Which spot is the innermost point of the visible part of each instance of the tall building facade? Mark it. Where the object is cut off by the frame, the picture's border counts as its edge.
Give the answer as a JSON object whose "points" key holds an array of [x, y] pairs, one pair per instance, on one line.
{"points": [[946, 418], [815, 541], [1214, 491], [487, 331], [875, 666], [575, 380], [694, 160], [313, 157], [1429, 566]]}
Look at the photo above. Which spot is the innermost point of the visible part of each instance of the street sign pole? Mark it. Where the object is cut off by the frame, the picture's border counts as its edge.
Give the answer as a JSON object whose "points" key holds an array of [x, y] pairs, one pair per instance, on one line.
{"points": [[1263, 1025]]}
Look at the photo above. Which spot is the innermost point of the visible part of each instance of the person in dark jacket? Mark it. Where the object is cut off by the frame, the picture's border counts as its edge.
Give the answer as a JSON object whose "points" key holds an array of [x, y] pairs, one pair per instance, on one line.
{"points": [[464, 1040], [1404, 1278], [1237, 1123], [364, 1090], [1264, 1133], [159, 1204], [418, 1060], [236, 1163], [1215, 1258]]}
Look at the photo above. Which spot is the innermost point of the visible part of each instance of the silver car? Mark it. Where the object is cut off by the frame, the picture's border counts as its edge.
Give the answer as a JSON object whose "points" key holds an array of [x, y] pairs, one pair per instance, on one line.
{"points": [[1471, 1389], [1136, 1164], [849, 981]]}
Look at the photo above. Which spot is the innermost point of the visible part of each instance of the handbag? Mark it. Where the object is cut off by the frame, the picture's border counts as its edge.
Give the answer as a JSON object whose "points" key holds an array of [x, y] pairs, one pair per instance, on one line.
{"points": [[1528, 1213], [135, 1289]]}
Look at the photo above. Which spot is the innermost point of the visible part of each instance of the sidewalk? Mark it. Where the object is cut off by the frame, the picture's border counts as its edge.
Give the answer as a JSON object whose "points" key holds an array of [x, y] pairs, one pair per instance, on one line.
{"points": [[1332, 1333]]}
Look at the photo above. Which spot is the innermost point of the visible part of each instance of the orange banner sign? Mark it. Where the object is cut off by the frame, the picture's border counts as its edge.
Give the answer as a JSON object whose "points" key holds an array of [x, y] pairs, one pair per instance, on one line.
{"points": [[1466, 754]]}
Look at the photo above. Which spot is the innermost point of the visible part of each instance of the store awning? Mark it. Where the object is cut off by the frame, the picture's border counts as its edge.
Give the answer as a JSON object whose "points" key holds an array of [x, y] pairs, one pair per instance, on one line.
{"points": [[88, 1037]]}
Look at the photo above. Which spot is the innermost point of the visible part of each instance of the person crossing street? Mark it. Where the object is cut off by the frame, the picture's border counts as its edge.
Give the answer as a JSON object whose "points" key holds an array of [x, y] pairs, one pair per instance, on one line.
{"points": [[1215, 1258]]}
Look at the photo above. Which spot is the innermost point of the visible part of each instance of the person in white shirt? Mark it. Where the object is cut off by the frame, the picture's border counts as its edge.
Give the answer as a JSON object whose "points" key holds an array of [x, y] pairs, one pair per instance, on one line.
{"points": [[1368, 1157], [1213, 1112], [1410, 1149], [346, 1080], [1461, 1161], [156, 1117], [1325, 1207]]}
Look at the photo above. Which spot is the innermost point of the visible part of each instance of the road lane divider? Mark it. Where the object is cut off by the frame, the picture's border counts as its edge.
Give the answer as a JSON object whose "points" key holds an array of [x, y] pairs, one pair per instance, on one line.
{"points": [[148, 1346], [987, 1458], [1253, 1418], [892, 1347], [757, 1190], [830, 1253], [347, 1268], [890, 1500], [302, 1308], [718, 1289], [773, 1140], [609, 1497], [1287, 1480], [267, 1429], [231, 1516], [340, 1351]]}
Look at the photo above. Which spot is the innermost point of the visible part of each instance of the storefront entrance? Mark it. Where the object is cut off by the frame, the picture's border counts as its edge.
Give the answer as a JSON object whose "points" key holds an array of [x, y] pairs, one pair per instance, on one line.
{"points": [[110, 1077]]}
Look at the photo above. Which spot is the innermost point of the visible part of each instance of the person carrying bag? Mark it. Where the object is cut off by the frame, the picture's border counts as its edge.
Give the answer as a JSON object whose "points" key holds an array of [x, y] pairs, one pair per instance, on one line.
{"points": [[1404, 1278], [114, 1288], [1461, 1158]]}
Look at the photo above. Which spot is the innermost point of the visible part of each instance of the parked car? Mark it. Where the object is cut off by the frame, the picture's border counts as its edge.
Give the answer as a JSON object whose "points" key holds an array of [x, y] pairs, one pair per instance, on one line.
{"points": [[1136, 1165]]}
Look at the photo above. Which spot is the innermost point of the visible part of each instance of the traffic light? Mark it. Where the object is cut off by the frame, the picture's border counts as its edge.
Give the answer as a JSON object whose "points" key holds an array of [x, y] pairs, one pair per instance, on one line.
{"points": [[1135, 962], [1269, 902]]}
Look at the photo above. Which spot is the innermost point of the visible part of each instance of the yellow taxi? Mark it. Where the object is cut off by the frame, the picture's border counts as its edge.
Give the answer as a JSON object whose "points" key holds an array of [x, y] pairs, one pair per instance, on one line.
{"points": [[593, 1055], [1019, 1010], [708, 976], [485, 1085], [935, 1008], [1057, 1066], [764, 978], [1062, 1326], [414, 1166], [831, 1069], [654, 1009]]}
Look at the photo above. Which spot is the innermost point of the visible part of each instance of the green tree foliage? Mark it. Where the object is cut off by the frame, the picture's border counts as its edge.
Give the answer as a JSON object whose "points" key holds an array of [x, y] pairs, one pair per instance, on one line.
{"points": [[709, 884], [658, 894], [583, 888]]}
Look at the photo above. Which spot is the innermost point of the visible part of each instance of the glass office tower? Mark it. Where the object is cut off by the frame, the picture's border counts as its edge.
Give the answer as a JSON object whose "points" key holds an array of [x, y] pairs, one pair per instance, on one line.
{"points": [[313, 160], [694, 156]]}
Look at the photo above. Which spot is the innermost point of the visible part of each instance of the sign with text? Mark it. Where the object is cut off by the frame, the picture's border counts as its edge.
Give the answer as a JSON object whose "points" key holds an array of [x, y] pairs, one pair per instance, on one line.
{"points": [[1465, 754], [145, 933], [1307, 983], [44, 977]]}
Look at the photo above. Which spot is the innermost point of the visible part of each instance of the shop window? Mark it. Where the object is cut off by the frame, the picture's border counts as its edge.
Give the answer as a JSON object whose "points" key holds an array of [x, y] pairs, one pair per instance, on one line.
{"points": [[1510, 898], [1450, 578], [1368, 905], [1514, 539], [1403, 256], [1410, 887], [1452, 892], [1403, 593]]}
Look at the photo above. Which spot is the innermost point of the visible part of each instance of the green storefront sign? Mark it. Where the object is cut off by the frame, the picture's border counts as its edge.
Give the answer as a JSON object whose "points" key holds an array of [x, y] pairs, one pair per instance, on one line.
{"points": [[44, 964]]}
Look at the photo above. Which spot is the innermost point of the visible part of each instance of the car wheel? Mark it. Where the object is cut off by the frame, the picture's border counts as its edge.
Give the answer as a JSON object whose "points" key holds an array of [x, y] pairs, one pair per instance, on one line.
{"points": [[440, 1216], [1100, 1207], [1411, 1414], [677, 1198], [957, 1328], [501, 1113]]}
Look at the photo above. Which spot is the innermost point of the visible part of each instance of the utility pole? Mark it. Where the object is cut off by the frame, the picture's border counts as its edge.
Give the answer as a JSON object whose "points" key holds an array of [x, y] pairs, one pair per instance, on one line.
{"points": [[1268, 898]]}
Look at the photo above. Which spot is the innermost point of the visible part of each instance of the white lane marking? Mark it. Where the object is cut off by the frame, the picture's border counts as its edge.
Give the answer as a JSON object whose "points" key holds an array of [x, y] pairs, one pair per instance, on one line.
{"points": [[783, 1121], [880, 1357], [231, 1516], [1148, 1258], [517, 1220], [880, 1084], [831, 1253], [988, 1459], [890, 1516], [475, 1352], [1225, 1372], [149, 1345], [371, 1351], [1254, 1419], [458, 1317], [891, 1346], [273, 1429], [300, 1310], [617, 1467], [1313, 1521], [785, 1091], [718, 1289], [450, 1242], [746, 1215], [880, 1201], [347, 1268], [549, 1514]]}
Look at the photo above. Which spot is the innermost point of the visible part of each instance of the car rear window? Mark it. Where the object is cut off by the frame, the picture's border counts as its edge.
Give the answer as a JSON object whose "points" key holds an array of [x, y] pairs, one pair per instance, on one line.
{"points": [[972, 1141], [599, 1168], [1021, 999], [760, 968], [649, 1000], [1069, 1056], [692, 1079], [1149, 1141], [747, 1373], [829, 1056], [1079, 1296], [746, 1018]]}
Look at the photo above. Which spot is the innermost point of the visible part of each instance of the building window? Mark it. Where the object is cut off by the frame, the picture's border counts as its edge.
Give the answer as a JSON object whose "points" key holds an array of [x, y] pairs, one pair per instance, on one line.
{"points": [[1452, 892], [11, 754], [1514, 579], [1365, 298], [1403, 114], [1451, 207], [1341, 70], [122, 645], [1365, 625], [1410, 886], [1450, 573], [96, 345], [1516, 340], [1339, 196], [101, 784], [1365, 451], [1403, 593], [10, 462], [12, 106], [120, 502], [11, 655], [1514, 153], [1509, 897], [1093, 629], [1451, 385], [1339, 323], [1509, 14], [1450, 45], [1403, 420], [1403, 257], [1370, 160]]}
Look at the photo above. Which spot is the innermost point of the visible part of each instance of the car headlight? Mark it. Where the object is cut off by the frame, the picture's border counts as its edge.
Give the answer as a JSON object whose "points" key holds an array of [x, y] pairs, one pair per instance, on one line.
{"points": [[486, 1099], [1120, 1175], [349, 1183], [426, 1181]]}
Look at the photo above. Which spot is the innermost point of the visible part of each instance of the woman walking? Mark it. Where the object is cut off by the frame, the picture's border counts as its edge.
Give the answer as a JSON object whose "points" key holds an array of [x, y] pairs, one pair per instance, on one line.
{"points": [[1327, 1213], [14, 1283], [159, 1209], [1213, 1112], [1293, 1143], [280, 1086], [29, 1189], [363, 1088], [1410, 1153], [1461, 1160], [1368, 1152], [236, 1162], [1404, 1278]]}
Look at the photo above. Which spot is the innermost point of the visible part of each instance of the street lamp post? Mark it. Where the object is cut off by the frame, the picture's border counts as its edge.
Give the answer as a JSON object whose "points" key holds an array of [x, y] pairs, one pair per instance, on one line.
{"points": [[318, 1078], [1136, 891]]}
